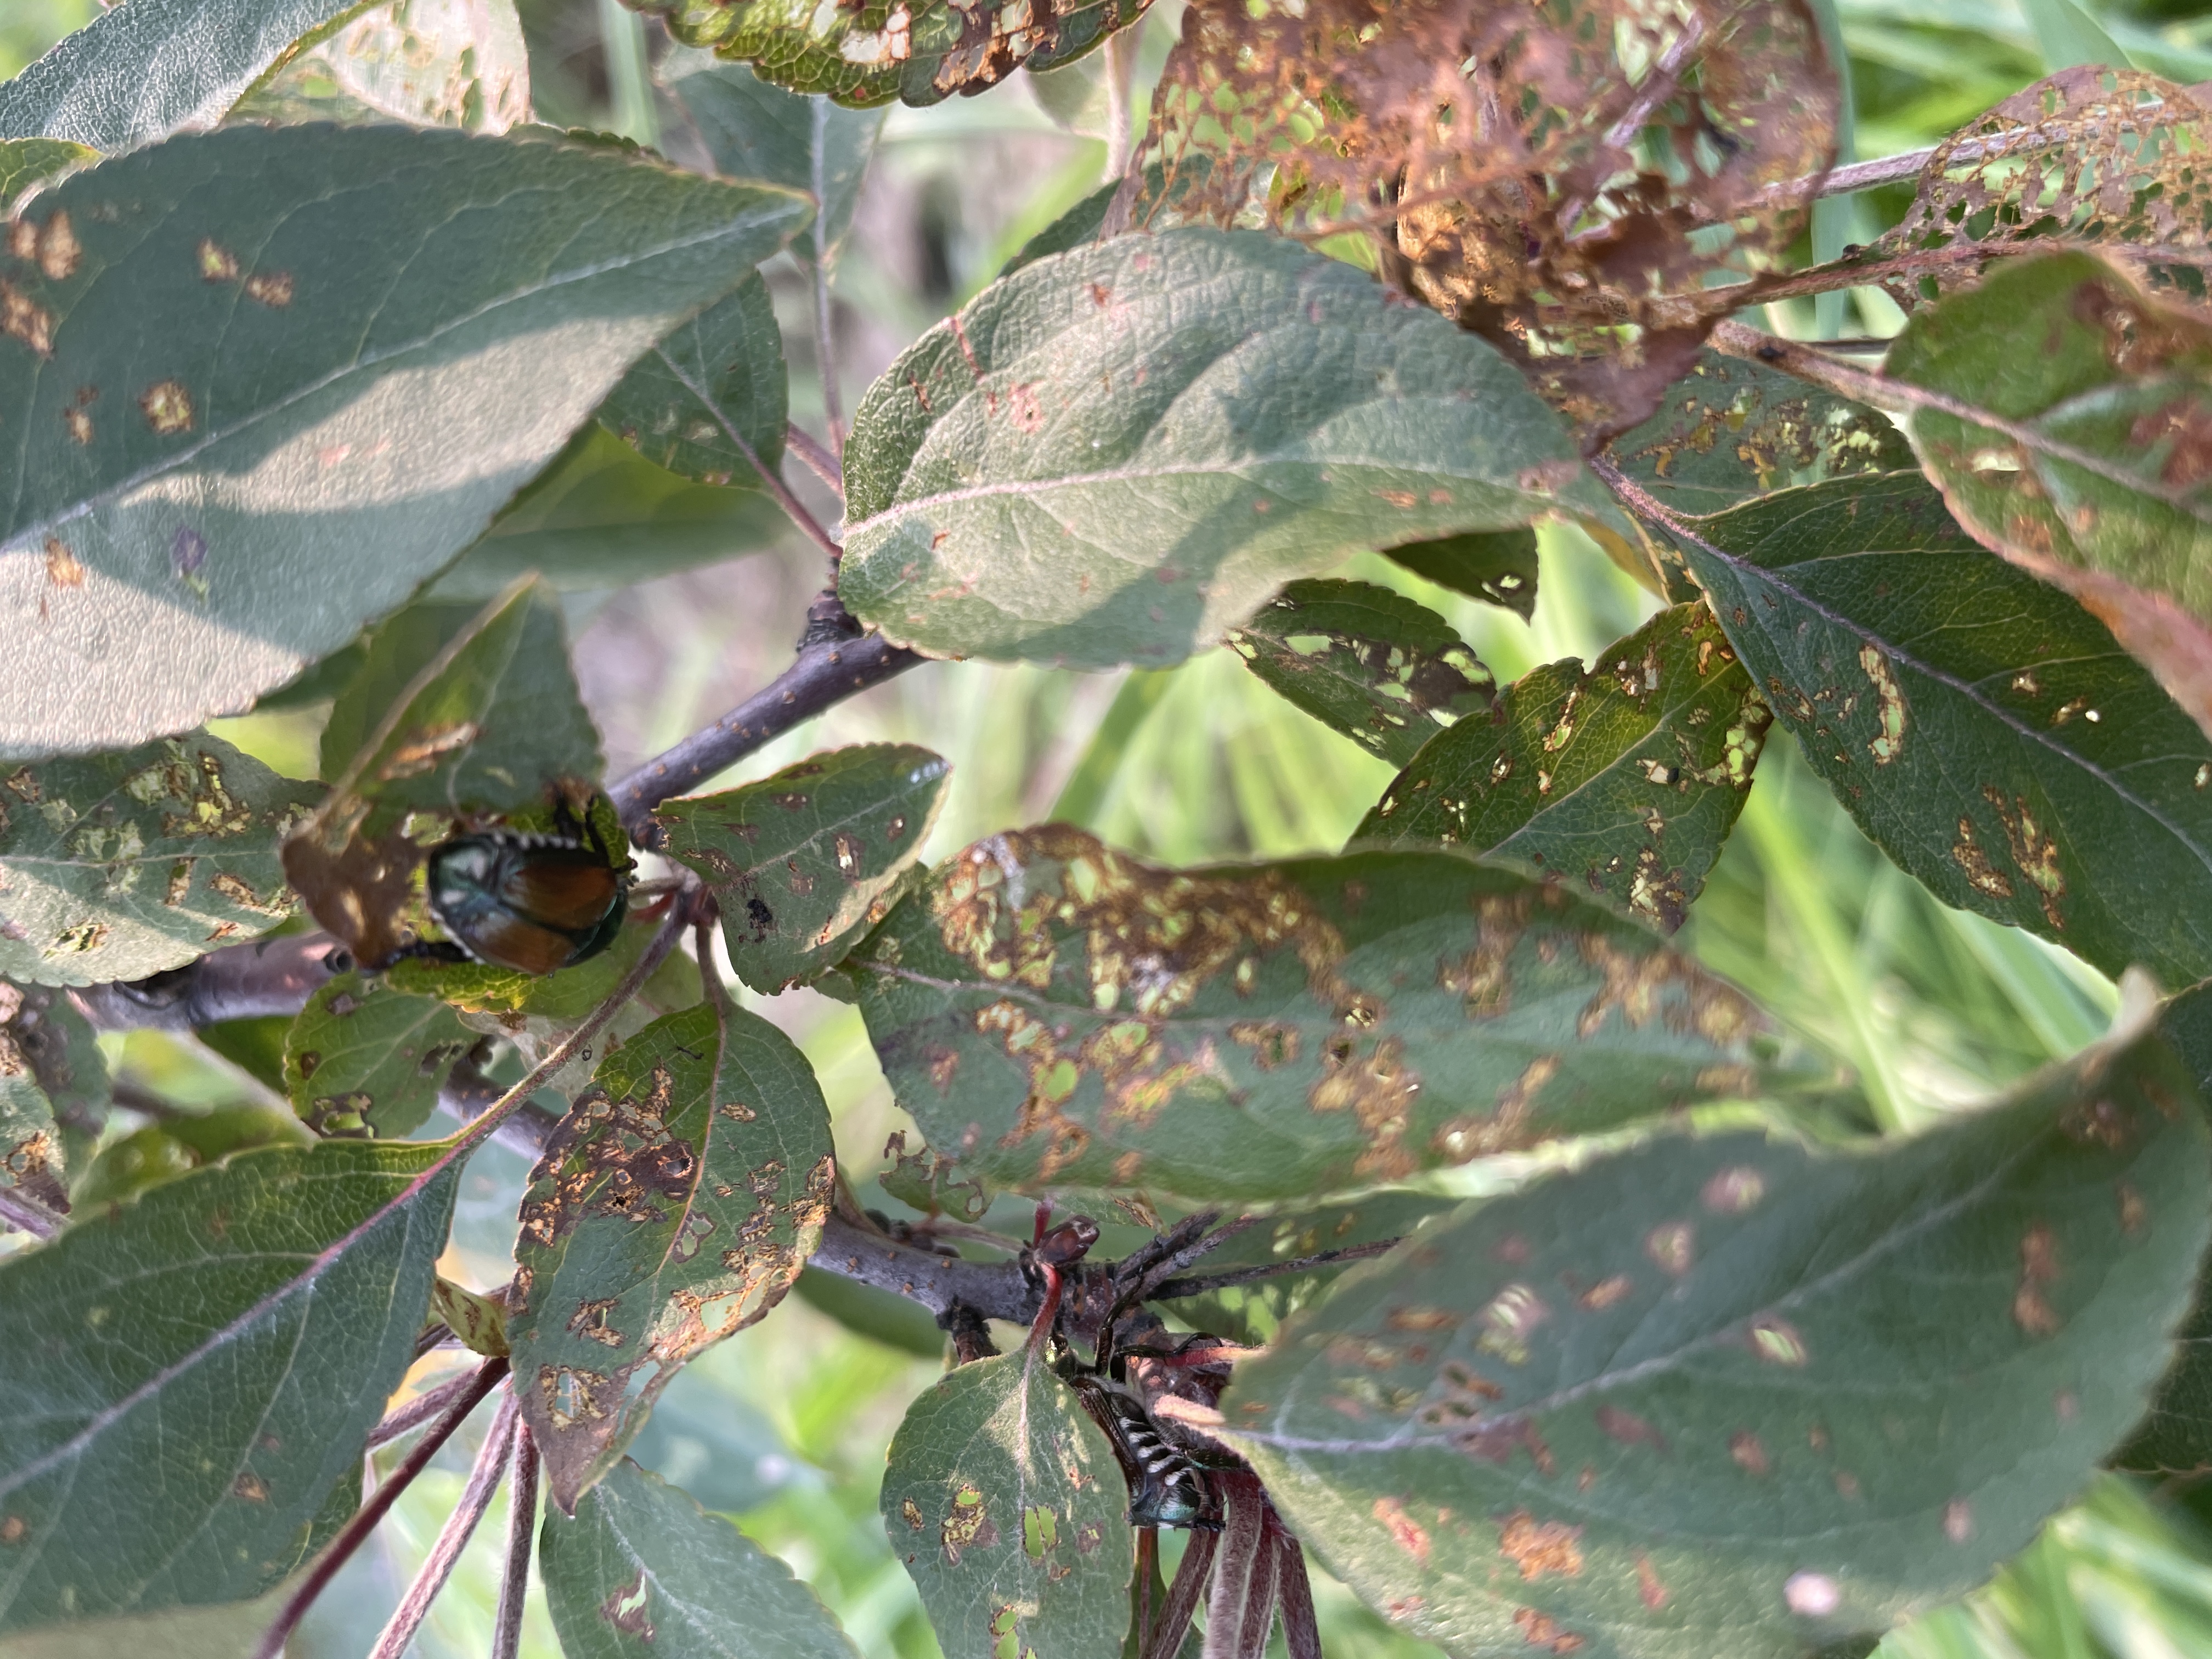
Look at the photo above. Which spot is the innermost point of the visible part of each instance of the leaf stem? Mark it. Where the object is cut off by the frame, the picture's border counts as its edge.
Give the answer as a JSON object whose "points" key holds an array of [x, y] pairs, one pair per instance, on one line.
{"points": [[356, 1532], [819, 461], [1175, 1289], [399, 1633], [419, 1410], [521, 1530], [770, 479], [826, 319]]}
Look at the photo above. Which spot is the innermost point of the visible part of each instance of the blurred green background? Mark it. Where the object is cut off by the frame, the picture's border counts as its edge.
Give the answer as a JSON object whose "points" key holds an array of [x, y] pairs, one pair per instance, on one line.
{"points": [[785, 1426]]}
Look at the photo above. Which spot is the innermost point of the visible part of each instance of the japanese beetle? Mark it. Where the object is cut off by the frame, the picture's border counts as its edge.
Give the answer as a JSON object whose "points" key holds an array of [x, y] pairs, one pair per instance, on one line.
{"points": [[533, 903]]}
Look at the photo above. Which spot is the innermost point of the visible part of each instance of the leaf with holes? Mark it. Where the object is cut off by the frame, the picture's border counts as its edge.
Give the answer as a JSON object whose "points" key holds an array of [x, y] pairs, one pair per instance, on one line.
{"points": [[1734, 1398], [364, 1059], [1004, 1500], [264, 381], [1115, 454], [674, 1205], [129, 78], [642, 1564], [919, 52], [1731, 429], [428, 63], [804, 862], [42, 1031], [603, 516], [31, 1158], [118, 866], [1983, 730], [708, 401], [1054, 1013], [2101, 478], [1625, 779], [1499, 566], [1387, 673], [240, 1330], [753, 129]]}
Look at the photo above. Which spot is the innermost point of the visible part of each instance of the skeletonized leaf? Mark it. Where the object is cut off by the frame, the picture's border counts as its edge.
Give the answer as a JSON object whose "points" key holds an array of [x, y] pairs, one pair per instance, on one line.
{"points": [[919, 52], [1731, 429], [1054, 1012], [802, 862], [674, 1205], [1727, 1398], [430, 63], [115, 866], [1369, 663], [713, 384], [364, 1059], [2104, 484], [643, 1569], [1496, 565], [265, 381], [1115, 454], [1004, 1500], [31, 1160], [238, 1330], [1983, 729], [136, 75], [754, 129], [603, 516], [1625, 779]]}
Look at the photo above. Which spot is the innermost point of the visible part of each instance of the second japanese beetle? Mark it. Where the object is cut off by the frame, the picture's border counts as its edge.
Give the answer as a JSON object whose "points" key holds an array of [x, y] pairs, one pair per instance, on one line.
{"points": [[533, 903]]}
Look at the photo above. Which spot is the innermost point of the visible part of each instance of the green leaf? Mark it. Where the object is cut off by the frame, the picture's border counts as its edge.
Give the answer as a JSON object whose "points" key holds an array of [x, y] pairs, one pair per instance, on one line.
{"points": [[603, 516], [714, 383], [480, 1321], [879, 1316], [176, 1146], [803, 862], [1499, 566], [1733, 1397], [1082, 223], [1114, 455], [304, 367], [2104, 483], [31, 1160], [1731, 429], [1253, 1313], [364, 1059], [1006, 1504], [131, 76], [642, 1569], [1625, 779], [1983, 729], [118, 866], [753, 129], [919, 52], [1055, 1013], [25, 162], [41, 1028], [238, 1330], [674, 1205], [428, 63], [1387, 673]]}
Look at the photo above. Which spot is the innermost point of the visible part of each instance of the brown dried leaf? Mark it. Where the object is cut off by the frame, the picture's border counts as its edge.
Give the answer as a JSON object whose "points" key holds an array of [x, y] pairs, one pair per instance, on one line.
{"points": [[1566, 182], [2110, 157]]}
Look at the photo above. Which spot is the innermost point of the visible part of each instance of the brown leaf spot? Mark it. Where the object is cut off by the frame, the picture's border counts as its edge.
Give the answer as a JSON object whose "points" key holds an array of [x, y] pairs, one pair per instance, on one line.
{"points": [[217, 264], [22, 318], [2039, 1266], [249, 1487], [2135, 1214], [2033, 853], [1605, 1293], [1777, 1342], [1538, 1547], [1890, 713], [78, 423], [1981, 874], [967, 1526], [168, 407], [1672, 1246], [1749, 1454], [272, 289], [1958, 1520], [1652, 1593], [63, 569], [1629, 1429], [626, 1609], [1541, 1630], [1508, 1320], [14, 1529], [59, 251], [1734, 1191], [1405, 1532]]}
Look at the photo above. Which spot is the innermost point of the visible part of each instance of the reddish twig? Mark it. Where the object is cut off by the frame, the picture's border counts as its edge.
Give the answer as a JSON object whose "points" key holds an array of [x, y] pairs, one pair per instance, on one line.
{"points": [[819, 461], [521, 1532], [399, 1633], [356, 1532], [419, 1410], [1190, 1581]]}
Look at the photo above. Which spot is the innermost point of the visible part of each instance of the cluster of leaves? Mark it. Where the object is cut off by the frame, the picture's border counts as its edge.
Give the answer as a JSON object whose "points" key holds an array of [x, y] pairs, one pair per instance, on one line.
{"points": [[332, 408]]}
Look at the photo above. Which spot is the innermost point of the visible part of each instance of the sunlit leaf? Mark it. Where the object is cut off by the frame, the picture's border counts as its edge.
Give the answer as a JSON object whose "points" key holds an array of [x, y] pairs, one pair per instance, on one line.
{"points": [[1625, 778], [431, 63], [238, 1330], [1114, 455], [643, 1569], [1055, 1013], [1387, 673], [919, 52], [25, 162], [118, 866], [264, 381], [364, 1059], [1499, 566], [177, 1146], [802, 862], [2102, 484], [674, 1205], [1004, 1503], [1983, 729], [1731, 1397]]}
